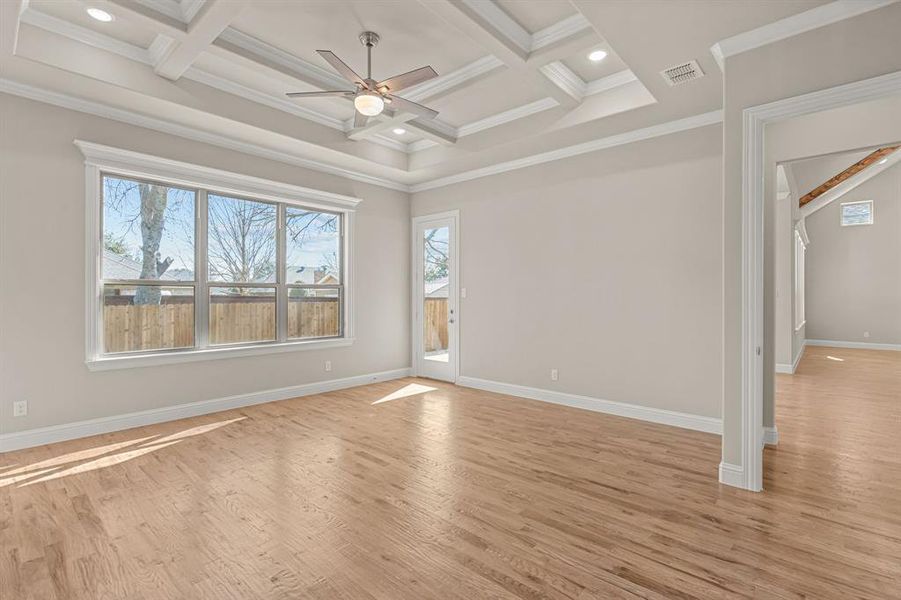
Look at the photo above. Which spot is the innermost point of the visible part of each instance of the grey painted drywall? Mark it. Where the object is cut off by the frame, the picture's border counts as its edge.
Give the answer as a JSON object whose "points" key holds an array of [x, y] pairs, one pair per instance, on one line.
{"points": [[854, 273], [850, 50], [42, 305], [604, 266]]}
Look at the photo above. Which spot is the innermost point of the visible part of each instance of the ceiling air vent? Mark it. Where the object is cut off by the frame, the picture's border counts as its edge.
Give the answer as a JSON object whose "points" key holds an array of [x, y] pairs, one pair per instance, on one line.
{"points": [[682, 73]]}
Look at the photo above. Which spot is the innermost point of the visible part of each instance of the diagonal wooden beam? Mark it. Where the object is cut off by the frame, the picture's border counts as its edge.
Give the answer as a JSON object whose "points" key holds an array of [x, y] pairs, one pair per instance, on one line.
{"points": [[854, 169]]}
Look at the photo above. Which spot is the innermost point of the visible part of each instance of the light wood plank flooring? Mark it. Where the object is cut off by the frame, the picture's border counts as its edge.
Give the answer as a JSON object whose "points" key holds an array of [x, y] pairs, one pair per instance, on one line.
{"points": [[452, 493]]}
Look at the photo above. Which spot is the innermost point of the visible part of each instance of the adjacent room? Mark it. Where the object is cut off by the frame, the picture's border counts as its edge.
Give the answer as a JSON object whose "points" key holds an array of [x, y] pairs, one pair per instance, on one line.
{"points": [[450, 299]]}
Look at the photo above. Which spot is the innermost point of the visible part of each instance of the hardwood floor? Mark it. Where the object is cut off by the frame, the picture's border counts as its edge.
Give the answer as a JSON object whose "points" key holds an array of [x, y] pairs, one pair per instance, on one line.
{"points": [[454, 493]]}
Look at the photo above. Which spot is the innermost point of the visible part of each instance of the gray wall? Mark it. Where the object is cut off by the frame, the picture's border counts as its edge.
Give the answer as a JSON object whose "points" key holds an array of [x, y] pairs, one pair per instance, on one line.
{"points": [[854, 273], [606, 266], [42, 273]]}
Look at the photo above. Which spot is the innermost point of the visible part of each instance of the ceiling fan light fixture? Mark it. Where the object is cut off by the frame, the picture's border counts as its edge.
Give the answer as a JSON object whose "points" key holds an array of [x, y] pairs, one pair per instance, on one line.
{"points": [[369, 104]]}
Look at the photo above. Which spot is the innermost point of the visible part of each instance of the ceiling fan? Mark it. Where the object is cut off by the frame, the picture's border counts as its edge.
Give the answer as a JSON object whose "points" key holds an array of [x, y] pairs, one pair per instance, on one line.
{"points": [[370, 96]]}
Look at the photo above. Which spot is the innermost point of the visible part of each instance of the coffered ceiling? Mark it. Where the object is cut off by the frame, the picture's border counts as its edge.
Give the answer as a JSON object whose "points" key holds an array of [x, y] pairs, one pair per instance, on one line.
{"points": [[515, 81]]}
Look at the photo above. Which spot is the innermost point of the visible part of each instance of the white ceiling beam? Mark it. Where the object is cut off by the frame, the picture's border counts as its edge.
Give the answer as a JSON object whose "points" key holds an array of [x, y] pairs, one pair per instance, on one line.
{"points": [[212, 19], [376, 126], [489, 26], [10, 16]]}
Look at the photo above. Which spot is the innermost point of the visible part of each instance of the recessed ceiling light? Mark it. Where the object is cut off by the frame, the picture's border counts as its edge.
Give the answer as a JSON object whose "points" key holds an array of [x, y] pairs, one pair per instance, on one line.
{"points": [[399, 131], [100, 15], [597, 56]]}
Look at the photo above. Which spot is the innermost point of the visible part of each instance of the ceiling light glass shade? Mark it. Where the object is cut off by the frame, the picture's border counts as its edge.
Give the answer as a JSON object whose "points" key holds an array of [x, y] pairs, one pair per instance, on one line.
{"points": [[369, 104], [597, 56], [100, 15]]}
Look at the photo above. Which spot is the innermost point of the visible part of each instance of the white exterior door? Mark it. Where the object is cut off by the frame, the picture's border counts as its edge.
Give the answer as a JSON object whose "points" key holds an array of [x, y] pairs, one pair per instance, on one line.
{"points": [[435, 312]]}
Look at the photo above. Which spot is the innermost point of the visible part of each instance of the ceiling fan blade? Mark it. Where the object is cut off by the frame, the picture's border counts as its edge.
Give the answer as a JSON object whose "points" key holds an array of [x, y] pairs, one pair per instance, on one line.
{"points": [[408, 79], [345, 71], [319, 94], [360, 119], [401, 105]]}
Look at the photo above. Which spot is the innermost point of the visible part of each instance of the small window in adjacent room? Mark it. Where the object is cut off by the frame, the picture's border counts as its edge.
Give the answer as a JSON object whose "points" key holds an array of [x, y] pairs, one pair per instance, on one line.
{"points": [[857, 213]]}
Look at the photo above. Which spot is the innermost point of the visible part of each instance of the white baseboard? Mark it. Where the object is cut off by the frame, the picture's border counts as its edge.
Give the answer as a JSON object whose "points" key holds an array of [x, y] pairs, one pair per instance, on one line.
{"points": [[860, 345], [790, 369], [632, 411], [70, 431], [770, 436], [732, 475]]}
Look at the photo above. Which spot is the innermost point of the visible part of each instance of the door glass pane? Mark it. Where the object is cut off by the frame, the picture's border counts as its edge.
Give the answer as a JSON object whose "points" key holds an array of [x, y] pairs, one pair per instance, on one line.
{"points": [[313, 247], [435, 293], [241, 240], [148, 231], [314, 312], [242, 314], [147, 317]]}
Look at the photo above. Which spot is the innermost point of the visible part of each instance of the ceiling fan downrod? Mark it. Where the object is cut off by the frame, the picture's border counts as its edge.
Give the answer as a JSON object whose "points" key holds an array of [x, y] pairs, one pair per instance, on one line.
{"points": [[369, 39]]}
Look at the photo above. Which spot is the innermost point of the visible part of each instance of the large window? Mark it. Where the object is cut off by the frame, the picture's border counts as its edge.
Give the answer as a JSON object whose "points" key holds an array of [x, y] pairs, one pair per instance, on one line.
{"points": [[189, 269]]}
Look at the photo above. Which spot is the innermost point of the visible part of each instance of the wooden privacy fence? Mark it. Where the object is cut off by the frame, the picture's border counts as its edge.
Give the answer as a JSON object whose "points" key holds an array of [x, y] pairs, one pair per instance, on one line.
{"points": [[435, 324], [170, 324]]}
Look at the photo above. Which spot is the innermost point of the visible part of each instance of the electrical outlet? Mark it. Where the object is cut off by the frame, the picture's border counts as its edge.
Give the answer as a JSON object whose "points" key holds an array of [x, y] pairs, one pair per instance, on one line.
{"points": [[554, 375], [20, 408], [328, 365], [866, 334]]}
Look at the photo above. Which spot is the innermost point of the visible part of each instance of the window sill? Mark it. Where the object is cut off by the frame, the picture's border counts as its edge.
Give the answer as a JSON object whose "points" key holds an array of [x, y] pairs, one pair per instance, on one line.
{"points": [[108, 363]]}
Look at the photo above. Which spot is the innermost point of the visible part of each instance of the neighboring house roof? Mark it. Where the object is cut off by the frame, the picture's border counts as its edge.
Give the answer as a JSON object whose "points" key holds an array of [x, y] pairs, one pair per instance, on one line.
{"points": [[117, 266], [310, 276], [437, 288]]}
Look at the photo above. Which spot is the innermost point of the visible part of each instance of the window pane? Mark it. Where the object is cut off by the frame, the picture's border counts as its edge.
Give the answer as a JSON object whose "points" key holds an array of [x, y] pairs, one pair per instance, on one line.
{"points": [[314, 312], [242, 315], [147, 317], [241, 241], [313, 243], [435, 293], [148, 231], [857, 213]]}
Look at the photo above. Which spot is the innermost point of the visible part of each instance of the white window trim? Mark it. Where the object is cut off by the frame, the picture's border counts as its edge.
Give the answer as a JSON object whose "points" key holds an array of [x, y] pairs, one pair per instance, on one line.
{"points": [[800, 246], [841, 213], [99, 158]]}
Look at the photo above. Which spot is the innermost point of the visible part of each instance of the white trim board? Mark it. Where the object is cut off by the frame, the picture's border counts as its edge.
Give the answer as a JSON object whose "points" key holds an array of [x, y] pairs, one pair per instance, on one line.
{"points": [[621, 409], [859, 345], [731, 474], [70, 431], [770, 436], [790, 369], [809, 20], [754, 121], [636, 135]]}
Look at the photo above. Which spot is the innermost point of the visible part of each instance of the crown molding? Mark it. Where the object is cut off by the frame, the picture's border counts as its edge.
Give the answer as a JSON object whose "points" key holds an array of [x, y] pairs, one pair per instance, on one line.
{"points": [[170, 8], [497, 18], [190, 8], [507, 116], [454, 79], [636, 135], [564, 78], [133, 118], [609, 82], [814, 18], [192, 133], [267, 52], [559, 31], [84, 35]]}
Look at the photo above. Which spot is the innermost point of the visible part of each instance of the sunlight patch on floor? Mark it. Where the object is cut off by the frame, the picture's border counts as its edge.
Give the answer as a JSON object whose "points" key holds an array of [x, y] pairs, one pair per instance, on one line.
{"points": [[412, 389], [836, 358]]}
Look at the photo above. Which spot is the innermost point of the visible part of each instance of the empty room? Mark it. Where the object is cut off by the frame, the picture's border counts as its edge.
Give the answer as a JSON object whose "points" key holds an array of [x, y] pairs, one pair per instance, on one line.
{"points": [[450, 299]]}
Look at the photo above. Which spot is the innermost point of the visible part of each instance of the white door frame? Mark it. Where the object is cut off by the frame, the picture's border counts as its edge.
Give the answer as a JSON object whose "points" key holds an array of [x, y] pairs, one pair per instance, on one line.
{"points": [[453, 292], [754, 121]]}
